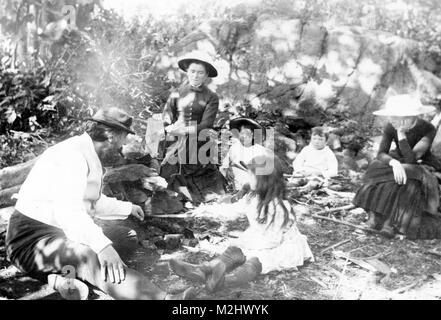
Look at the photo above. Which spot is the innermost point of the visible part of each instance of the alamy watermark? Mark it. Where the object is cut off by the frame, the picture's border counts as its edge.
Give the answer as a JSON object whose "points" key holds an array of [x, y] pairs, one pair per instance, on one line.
{"points": [[203, 147]]}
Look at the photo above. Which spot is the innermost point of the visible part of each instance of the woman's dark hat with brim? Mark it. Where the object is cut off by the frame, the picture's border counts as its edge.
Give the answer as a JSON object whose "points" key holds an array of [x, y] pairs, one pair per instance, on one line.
{"points": [[115, 118], [198, 57]]}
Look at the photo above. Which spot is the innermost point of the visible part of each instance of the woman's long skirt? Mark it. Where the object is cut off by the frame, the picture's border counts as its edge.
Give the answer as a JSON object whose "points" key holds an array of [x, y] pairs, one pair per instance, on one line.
{"points": [[203, 181], [405, 205]]}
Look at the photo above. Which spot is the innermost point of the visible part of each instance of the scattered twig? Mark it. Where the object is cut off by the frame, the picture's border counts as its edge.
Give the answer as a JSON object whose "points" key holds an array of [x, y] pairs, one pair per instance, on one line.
{"points": [[41, 139], [358, 249], [435, 253], [295, 175], [347, 207], [335, 245], [359, 262], [339, 193], [315, 201], [379, 255], [346, 224], [373, 265], [410, 286], [300, 202], [188, 214], [320, 283]]}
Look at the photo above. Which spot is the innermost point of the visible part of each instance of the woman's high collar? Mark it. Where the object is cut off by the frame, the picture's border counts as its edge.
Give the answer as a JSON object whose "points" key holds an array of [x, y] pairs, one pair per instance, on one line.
{"points": [[187, 87]]}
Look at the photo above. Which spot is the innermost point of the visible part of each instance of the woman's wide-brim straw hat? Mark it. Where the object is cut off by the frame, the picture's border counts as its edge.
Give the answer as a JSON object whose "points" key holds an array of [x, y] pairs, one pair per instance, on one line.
{"points": [[200, 57], [403, 105]]}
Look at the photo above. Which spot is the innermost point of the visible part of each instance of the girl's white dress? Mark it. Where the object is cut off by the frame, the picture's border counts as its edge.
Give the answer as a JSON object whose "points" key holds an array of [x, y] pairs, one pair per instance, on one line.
{"points": [[278, 248]]}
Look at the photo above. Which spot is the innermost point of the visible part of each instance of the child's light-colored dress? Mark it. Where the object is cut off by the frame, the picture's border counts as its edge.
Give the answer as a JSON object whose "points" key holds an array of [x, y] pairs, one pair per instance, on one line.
{"points": [[238, 153], [278, 248], [313, 161]]}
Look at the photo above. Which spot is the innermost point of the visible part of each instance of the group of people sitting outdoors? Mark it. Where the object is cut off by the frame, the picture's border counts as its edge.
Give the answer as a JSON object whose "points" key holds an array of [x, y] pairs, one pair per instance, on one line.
{"points": [[53, 223]]}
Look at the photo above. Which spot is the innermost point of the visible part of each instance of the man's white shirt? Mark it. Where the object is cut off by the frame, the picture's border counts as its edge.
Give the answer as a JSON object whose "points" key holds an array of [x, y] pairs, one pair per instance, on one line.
{"points": [[63, 190]]}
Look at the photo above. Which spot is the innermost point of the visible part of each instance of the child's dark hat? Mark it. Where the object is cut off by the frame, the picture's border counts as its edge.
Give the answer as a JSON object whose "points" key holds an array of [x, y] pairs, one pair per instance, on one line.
{"points": [[238, 122]]}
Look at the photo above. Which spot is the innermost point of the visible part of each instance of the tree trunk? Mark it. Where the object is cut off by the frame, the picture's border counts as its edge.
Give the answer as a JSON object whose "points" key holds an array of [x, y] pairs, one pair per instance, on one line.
{"points": [[5, 215], [5, 196], [15, 175]]}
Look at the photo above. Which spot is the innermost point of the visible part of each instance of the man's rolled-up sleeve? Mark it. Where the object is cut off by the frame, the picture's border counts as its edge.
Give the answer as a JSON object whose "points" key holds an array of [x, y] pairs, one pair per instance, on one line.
{"points": [[107, 208]]}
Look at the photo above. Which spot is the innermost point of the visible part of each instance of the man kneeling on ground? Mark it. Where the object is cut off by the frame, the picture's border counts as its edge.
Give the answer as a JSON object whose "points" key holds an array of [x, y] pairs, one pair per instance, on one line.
{"points": [[52, 226]]}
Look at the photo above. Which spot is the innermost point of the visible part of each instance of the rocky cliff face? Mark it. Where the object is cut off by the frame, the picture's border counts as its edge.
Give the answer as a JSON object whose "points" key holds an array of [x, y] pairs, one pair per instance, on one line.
{"points": [[285, 64]]}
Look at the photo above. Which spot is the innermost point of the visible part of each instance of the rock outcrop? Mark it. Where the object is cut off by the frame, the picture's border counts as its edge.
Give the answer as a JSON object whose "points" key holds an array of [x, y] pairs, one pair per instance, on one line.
{"points": [[279, 63]]}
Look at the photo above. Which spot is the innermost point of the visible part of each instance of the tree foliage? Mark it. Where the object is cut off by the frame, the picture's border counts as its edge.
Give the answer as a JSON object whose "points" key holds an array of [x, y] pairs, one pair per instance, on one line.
{"points": [[53, 74]]}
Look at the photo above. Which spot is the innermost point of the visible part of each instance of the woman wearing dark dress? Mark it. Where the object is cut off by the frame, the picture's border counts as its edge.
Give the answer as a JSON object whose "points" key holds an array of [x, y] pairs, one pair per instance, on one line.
{"points": [[190, 110], [399, 188]]}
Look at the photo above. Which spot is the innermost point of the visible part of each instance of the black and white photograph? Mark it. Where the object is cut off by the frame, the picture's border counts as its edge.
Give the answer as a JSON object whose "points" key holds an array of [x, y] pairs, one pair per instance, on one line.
{"points": [[237, 152]]}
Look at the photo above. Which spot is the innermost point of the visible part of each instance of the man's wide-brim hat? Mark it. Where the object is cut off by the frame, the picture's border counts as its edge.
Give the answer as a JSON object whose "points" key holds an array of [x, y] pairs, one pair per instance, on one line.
{"points": [[404, 105], [115, 118], [199, 57]]}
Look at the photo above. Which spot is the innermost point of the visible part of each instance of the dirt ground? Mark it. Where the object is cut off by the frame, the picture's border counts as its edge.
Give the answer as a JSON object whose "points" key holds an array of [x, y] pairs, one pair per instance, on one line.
{"points": [[362, 266]]}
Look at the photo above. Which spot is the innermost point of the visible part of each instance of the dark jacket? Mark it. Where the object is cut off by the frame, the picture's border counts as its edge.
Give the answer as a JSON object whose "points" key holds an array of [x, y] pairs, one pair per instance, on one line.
{"points": [[415, 147], [203, 109]]}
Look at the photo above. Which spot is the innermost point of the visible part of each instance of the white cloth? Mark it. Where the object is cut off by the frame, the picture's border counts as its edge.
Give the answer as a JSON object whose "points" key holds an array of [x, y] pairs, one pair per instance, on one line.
{"points": [[238, 152], [63, 190], [311, 160], [154, 134]]}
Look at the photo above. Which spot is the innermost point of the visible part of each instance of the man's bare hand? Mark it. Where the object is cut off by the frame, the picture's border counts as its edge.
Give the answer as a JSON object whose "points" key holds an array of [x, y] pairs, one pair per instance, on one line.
{"points": [[137, 212], [112, 267]]}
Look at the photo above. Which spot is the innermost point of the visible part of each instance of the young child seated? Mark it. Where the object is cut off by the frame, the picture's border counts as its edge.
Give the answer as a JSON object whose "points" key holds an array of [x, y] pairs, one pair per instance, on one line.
{"points": [[244, 147], [316, 160], [272, 242]]}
